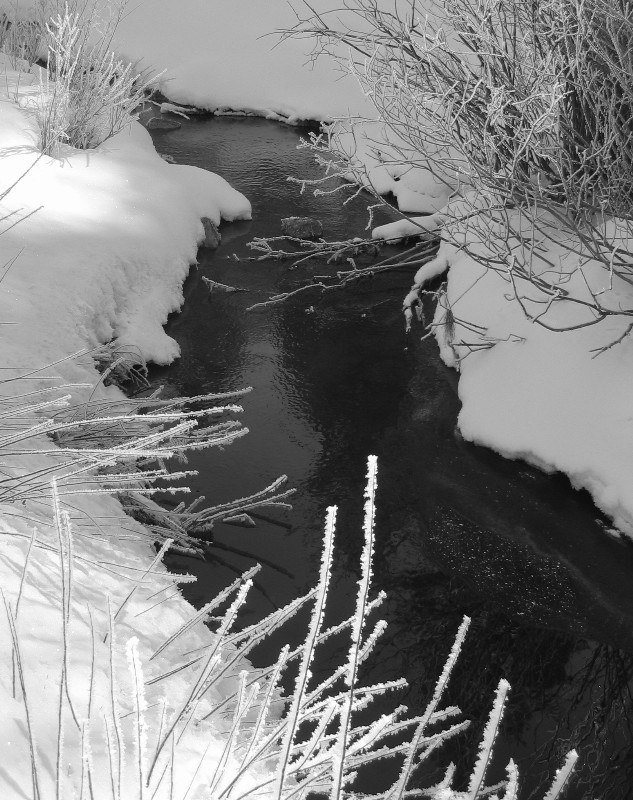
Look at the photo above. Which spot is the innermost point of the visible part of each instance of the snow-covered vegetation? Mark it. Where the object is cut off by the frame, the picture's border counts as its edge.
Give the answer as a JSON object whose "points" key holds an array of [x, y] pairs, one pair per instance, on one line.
{"points": [[87, 94]]}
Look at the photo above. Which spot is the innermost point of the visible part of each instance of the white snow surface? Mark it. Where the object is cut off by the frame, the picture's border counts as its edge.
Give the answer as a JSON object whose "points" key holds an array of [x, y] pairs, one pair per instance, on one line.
{"points": [[227, 55], [103, 243], [557, 399], [117, 232]]}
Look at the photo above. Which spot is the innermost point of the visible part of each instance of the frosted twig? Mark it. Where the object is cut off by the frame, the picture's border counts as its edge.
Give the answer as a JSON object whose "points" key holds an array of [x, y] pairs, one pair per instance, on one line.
{"points": [[307, 655], [27, 711], [487, 743], [562, 776]]}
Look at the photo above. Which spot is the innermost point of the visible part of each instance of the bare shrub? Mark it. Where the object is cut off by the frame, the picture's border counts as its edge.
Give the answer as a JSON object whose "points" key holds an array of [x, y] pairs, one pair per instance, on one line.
{"points": [[524, 110]]}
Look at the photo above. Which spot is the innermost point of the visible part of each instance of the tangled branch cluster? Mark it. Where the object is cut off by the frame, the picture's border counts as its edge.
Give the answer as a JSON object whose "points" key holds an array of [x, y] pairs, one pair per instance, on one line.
{"points": [[524, 110]]}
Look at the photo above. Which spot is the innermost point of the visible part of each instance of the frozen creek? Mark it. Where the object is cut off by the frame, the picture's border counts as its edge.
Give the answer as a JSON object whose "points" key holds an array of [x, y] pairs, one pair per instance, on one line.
{"points": [[461, 530]]}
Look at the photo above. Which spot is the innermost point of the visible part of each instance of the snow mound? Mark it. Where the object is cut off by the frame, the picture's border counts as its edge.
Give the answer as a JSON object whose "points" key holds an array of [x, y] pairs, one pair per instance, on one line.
{"points": [[559, 399], [111, 235]]}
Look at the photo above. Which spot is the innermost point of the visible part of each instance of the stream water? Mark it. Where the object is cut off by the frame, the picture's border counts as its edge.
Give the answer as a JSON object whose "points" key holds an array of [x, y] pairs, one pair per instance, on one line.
{"points": [[460, 530]]}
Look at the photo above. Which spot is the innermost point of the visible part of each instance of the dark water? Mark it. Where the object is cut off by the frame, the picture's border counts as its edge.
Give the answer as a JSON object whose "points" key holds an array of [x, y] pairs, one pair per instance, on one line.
{"points": [[460, 530]]}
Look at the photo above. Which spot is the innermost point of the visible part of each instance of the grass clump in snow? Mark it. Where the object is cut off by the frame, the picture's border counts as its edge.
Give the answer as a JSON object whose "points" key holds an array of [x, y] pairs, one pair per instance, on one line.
{"points": [[106, 445], [20, 38], [122, 446], [87, 93]]}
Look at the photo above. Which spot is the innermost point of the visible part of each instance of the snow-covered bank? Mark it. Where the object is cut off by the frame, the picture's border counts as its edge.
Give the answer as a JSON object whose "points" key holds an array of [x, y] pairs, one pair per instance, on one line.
{"points": [[542, 378], [560, 400], [223, 56], [227, 57], [117, 228], [95, 246]]}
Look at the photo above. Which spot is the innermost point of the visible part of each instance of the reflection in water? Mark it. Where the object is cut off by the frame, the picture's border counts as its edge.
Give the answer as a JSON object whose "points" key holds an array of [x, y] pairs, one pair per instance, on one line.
{"points": [[461, 530]]}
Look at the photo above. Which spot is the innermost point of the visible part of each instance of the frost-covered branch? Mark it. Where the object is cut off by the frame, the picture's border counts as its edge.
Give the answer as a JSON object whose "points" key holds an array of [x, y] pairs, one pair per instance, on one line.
{"points": [[420, 253], [522, 112]]}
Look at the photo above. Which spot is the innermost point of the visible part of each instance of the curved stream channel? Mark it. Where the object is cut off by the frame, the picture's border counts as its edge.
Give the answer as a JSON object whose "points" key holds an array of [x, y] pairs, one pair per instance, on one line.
{"points": [[460, 530]]}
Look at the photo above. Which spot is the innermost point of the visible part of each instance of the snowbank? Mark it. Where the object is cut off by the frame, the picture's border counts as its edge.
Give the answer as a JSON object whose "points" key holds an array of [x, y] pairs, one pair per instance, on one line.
{"points": [[117, 227], [95, 246], [559, 399], [227, 56]]}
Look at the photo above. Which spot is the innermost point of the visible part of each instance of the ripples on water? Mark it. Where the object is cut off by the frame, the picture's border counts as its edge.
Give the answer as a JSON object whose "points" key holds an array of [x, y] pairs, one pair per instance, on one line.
{"points": [[460, 530]]}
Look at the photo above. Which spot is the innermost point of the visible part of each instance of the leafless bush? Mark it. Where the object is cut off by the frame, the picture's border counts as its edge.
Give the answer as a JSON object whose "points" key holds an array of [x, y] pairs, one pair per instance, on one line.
{"points": [[525, 111]]}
